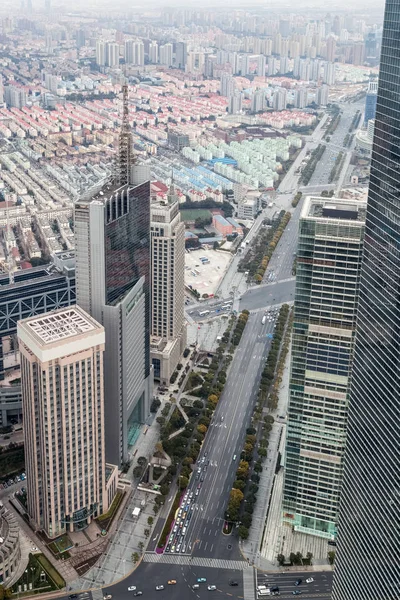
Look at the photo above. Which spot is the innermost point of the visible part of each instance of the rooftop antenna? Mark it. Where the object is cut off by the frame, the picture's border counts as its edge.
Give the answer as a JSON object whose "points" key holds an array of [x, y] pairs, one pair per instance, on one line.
{"points": [[126, 157]]}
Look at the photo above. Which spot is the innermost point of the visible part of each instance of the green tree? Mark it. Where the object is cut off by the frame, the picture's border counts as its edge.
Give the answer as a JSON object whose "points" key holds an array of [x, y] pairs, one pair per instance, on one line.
{"points": [[309, 557], [331, 557], [135, 558], [243, 532], [281, 559], [150, 521], [146, 533], [183, 482]]}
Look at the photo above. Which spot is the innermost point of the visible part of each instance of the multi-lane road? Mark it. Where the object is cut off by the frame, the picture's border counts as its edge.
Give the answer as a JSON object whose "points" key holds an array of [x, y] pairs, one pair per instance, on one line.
{"points": [[320, 587]]}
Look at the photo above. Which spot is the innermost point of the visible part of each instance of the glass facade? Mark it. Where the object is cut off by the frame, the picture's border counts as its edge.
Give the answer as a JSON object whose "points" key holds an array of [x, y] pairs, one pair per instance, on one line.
{"points": [[327, 279], [367, 564], [127, 247]]}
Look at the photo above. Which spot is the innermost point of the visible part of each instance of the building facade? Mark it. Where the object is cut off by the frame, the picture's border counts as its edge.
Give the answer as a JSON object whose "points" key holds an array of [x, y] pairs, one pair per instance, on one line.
{"points": [[168, 331], [63, 403], [112, 242], [369, 517], [10, 549], [33, 292], [331, 234]]}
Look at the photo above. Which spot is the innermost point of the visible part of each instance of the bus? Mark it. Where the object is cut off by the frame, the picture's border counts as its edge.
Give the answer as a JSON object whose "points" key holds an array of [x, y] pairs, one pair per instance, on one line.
{"points": [[203, 313]]}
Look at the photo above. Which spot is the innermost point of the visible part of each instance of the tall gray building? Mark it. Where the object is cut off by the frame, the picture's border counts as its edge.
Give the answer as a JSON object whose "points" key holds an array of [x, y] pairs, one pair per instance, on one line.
{"points": [[331, 235], [367, 565], [168, 331], [112, 245]]}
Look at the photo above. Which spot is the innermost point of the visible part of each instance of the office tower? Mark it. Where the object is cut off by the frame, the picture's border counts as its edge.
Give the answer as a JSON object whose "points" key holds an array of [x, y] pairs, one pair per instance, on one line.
{"points": [[100, 53], [336, 25], [369, 506], [371, 49], [329, 75], [261, 65], [112, 245], [235, 103], [153, 53], [112, 54], [322, 96], [330, 49], [280, 99], [181, 55], [228, 85], [258, 101], [166, 55], [301, 98], [168, 331], [284, 28], [331, 234], [370, 101], [63, 406], [283, 65]]}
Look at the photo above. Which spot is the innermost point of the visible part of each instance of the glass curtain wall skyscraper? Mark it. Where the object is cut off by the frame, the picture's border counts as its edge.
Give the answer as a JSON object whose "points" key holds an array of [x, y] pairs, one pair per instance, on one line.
{"points": [[367, 564], [331, 234]]}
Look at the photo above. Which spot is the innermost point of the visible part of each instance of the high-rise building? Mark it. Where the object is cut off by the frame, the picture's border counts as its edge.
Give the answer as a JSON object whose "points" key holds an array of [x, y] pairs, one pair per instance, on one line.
{"points": [[235, 103], [316, 69], [283, 65], [166, 55], [100, 53], [261, 65], [15, 97], [370, 101], [63, 405], [112, 243], [330, 49], [358, 53], [305, 70], [153, 52], [322, 96], [195, 63], [258, 101], [168, 332], [181, 55], [329, 76], [112, 54], [331, 235], [280, 99], [284, 27], [301, 97], [272, 65], [228, 85], [369, 506]]}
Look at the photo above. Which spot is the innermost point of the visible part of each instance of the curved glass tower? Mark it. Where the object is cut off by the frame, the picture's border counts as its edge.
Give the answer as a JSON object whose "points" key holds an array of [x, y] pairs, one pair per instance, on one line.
{"points": [[367, 565]]}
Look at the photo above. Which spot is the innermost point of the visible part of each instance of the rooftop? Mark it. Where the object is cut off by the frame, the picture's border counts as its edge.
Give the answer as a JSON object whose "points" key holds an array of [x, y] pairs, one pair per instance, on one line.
{"points": [[60, 325], [334, 208]]}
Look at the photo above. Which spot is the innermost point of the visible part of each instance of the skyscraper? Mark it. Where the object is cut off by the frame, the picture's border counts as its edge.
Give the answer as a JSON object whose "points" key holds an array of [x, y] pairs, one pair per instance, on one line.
{"points": [[112, 54], [168, 332], [367, 564], [370, 101], [112, 244], [331, 234], [63, 405]]}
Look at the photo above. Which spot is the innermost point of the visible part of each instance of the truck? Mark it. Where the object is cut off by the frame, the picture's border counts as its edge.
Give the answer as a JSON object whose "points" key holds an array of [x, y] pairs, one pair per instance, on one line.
{"points": [[136, 512], [262, 590]]}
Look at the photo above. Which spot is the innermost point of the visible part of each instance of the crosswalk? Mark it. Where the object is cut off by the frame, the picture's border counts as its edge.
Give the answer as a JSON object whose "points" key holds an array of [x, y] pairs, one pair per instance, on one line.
{"points": [[195, 561], [248, 584]]}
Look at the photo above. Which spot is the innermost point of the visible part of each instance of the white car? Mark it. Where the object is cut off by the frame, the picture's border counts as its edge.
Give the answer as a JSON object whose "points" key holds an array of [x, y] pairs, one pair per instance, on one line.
{"points": [[159, 587], [211, 588], [310, 580], [131, 588]]}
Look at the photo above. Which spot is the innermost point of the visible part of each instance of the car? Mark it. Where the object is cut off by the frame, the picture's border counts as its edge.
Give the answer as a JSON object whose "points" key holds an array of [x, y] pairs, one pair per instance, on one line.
{"points": [[201, 580], [211, 588], [197, 492], [178, 548], [234, 457], [233, 583], [222, 418], [159, 588], [298, 582], [107, 597], [195, 586], [72, 596], [139, 593], [173, 549], [202, 477], [34, 549], [172, 582], [296, 592], [310, 580], [131, 588]]}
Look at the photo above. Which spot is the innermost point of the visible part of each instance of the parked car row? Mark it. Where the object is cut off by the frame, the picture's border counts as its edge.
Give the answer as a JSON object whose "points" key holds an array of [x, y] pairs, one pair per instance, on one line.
{"points": [[11, 482]]}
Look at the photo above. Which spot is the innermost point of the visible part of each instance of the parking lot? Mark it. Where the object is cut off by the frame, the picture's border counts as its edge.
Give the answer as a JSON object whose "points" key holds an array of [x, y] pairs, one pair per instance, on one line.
{"points": [[205, 276]]}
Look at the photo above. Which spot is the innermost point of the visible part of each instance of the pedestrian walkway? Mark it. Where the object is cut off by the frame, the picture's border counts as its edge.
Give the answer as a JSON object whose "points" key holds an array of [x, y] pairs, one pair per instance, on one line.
{"points": [[249, 584], [195, 561]]}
